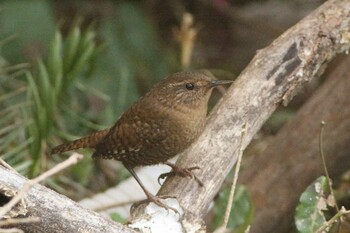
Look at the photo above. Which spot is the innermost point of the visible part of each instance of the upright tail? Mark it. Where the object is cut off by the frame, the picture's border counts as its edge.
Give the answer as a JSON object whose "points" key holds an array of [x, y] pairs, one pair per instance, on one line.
{"points": [[89, 141]]}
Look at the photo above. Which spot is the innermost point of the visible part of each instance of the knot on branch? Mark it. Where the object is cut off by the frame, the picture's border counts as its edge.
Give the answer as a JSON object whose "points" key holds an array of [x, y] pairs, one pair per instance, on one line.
{"points": [[20, 209]]}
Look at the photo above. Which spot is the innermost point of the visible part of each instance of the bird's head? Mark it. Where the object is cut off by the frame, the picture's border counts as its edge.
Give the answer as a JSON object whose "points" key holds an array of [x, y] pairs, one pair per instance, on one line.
{"points": [[188, 89]]}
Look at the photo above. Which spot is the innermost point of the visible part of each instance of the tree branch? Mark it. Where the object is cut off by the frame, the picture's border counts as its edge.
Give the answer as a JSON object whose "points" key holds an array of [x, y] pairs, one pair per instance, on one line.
{"points": [[56, 212]]}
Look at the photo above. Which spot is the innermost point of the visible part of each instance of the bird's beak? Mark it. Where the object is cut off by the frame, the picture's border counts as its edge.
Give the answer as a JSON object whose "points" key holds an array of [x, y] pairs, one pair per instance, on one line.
{"points": [[215, 83]]}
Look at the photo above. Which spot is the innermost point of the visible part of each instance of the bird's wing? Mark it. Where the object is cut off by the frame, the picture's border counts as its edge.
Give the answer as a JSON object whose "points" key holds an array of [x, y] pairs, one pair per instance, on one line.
{"points": [[125, 139], [118, 143]]}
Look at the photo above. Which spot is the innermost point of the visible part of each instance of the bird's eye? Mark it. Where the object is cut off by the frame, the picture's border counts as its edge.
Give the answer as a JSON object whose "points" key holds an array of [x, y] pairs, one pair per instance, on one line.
{"points": [[189, 86]]}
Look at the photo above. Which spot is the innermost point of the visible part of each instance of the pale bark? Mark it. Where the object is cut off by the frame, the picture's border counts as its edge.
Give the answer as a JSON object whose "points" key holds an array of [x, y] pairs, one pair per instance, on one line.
{"points": [[57, 213]]}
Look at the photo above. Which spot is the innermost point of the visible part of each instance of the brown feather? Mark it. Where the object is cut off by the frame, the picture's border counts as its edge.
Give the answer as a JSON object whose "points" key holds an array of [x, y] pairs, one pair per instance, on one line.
{"points": [[89, 141]]}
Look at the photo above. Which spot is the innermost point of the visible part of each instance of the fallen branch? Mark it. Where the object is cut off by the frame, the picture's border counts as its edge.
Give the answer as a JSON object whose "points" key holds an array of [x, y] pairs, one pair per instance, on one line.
{"points": [[73, 159], [56, 212]]}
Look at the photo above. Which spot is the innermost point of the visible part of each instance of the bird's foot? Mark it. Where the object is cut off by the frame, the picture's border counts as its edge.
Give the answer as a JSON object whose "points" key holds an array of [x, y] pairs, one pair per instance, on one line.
{"points": [[184, 172], [156, 200]]}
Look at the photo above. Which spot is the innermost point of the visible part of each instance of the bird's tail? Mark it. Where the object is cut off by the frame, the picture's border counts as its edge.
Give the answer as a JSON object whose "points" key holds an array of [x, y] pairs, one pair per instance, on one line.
{"points": [[89, 141]]}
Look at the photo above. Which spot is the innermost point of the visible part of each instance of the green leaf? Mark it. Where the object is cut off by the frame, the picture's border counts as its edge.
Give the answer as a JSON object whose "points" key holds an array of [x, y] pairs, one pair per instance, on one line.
{"points": [[241, 211], [55, 63], [309, 214], [71, 48], [117, 218], [86, 40], [43, 84], [33, 89], [82, 60]]}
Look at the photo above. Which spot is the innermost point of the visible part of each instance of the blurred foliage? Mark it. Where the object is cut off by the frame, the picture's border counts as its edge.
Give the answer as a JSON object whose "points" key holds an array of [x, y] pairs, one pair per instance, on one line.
{"points": [[133, 60], [12, 102], [32, 23], [71, 80], [241, 212], [278, 119], [48, 88]]}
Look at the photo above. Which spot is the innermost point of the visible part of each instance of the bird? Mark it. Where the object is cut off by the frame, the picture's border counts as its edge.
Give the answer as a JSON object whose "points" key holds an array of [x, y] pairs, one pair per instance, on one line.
{"points": [[161, 124]]}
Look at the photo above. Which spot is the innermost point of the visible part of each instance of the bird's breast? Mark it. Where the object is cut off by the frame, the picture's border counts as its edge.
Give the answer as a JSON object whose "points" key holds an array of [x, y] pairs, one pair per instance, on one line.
{"points": [[185, 129], [159, 134]]}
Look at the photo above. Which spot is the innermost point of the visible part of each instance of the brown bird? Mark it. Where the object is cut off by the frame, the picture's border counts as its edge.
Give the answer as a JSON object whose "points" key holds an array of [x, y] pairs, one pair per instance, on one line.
{"points": [[161, 124]]}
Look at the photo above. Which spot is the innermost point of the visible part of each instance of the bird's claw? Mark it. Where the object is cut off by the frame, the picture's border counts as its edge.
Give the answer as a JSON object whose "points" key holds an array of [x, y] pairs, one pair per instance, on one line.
{"points": [[156, 200], [184, 172]]}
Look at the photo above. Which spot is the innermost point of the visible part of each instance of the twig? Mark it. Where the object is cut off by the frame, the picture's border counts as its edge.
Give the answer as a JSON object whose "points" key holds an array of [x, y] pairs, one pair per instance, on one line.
{"points": [[11, 230], [115, 205], [12, 221], [339, 212], [235, 177], [329, 223], [323, 123], [73, 159], [3, 163], [223, 227]]}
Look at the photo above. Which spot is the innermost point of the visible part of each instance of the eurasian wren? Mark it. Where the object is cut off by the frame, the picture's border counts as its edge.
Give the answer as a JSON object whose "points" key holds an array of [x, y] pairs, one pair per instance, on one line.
{"points": [[161, 124]]}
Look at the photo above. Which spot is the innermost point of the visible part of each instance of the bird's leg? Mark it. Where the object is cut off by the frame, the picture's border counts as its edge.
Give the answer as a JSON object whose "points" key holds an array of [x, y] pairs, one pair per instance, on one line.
{"points": [[176, 170], [150, 196]]}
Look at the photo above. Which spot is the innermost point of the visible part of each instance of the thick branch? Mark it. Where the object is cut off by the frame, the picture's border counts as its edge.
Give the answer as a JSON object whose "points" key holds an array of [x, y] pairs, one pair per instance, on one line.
{"points": [[292, 160], [274, 76], [56, 212]]}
